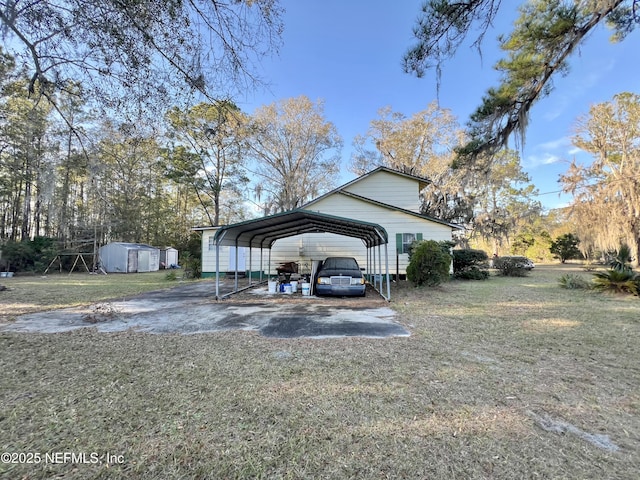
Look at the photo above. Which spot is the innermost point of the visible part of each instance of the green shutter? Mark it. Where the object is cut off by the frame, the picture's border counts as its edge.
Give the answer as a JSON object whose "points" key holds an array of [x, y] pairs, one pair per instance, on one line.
{"points": [[399, 243], [419, 237]]}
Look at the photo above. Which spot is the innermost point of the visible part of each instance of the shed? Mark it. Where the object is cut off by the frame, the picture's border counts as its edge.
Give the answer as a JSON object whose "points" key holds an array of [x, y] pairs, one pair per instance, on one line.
{"points": [[168, 257], [122, 257]]}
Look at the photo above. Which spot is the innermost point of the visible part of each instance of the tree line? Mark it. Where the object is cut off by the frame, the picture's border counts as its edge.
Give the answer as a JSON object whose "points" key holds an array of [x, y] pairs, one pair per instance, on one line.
{"points": [[67, 175], [92, 150]]}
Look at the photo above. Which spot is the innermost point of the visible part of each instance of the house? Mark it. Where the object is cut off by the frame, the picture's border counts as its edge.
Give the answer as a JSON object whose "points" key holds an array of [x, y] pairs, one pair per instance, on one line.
{"points": [[122, 257], [383, 197]]}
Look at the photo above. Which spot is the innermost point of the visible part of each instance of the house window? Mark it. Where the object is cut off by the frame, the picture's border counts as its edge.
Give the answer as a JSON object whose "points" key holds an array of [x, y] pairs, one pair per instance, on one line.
{"points": [[404, 241], [407, 240], [212, 243]]}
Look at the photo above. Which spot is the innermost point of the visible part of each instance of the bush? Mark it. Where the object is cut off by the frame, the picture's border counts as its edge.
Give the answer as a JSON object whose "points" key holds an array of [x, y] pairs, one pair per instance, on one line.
{"points": [[28, 255], [171, 276], [572, 281], [617, 281], [512, 266], [473, 273], [430, 263], [470, 264]]}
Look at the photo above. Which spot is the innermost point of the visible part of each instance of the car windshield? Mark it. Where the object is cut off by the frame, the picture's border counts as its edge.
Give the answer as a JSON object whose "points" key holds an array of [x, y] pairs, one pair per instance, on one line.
{"points": [[340, 263]]}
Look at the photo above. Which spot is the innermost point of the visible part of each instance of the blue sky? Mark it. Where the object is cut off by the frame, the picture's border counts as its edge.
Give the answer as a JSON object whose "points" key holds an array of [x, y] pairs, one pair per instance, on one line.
{"points": [[348, 53]]}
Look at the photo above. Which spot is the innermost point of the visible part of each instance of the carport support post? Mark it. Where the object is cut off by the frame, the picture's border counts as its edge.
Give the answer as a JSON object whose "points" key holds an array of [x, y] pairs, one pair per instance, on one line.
{"points": [[380, 265], [368, 264], [217, 269], [250, 264], [386, 259], [236, 273], [373, 266]]}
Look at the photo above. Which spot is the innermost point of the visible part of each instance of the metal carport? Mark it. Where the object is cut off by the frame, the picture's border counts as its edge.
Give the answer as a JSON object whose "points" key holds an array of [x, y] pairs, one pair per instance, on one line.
{"points": [[263, 232]]}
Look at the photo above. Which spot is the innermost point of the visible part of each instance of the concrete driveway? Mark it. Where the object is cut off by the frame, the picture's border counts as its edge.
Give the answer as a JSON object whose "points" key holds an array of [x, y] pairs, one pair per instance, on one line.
{"points": [[191, 308]]}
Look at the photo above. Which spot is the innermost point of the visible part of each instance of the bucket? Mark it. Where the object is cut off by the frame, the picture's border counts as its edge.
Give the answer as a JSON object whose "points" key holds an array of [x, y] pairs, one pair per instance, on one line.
{"points": [[306, 289], [272, 286], [294, 286], [287, 288]]}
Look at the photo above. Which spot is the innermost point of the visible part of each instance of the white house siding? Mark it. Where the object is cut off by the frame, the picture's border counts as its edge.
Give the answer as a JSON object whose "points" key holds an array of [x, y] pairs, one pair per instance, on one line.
{"points": [[389, 188], [392, 221], [303, 249]]}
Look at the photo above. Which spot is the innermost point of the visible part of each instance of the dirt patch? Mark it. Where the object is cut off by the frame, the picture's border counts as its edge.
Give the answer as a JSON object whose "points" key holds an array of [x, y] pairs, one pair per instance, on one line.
{"points": [[192, 309]]}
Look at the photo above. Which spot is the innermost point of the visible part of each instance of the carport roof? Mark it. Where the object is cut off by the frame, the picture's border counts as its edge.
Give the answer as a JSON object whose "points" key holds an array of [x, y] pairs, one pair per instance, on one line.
{"points": [[263, 232]]}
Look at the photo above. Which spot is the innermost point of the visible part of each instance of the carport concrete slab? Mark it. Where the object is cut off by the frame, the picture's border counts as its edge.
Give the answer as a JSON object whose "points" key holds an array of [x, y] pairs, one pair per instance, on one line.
{"points": [[191, 310]]}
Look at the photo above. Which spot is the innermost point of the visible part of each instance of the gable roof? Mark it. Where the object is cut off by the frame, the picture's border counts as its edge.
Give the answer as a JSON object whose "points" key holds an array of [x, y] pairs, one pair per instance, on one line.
{"points": [[422, 182]]}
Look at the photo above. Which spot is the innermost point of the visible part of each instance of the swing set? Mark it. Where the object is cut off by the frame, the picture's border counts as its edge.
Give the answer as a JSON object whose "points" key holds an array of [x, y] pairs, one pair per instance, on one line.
{"points": [[79, 258]]}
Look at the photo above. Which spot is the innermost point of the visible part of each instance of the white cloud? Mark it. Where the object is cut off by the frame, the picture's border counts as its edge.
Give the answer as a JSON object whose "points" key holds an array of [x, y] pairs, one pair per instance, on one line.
{"points": [[557, 144], [575, 151], [533, 161]]}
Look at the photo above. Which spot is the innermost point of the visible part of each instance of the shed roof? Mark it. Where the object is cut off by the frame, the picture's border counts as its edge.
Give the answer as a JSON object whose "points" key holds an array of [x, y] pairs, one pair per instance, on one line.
{"points": [[133, 246], [263, 232]]}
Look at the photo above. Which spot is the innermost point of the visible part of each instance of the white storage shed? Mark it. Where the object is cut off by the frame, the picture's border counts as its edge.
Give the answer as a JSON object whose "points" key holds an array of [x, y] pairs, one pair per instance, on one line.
{"points": [[168, 257], [122, 257]]}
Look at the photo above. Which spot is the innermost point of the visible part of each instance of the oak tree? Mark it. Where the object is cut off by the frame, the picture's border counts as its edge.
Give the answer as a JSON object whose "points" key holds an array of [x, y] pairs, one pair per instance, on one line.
{"points": [[606, 203], [127, 53], [295, 152]]}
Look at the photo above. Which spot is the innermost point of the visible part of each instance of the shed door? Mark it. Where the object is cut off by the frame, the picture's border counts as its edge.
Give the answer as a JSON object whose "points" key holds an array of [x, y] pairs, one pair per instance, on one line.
{"points": [[132, 261], [144, 260], [242, 266]]}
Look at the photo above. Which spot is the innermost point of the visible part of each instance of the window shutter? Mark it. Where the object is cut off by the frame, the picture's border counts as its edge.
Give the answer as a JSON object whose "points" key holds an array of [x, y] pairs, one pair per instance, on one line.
{"points": [[399, 243], [419, 237]]}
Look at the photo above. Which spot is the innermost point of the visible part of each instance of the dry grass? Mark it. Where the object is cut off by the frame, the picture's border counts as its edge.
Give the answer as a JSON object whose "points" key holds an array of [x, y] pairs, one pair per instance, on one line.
{"points": [[508, 378]]}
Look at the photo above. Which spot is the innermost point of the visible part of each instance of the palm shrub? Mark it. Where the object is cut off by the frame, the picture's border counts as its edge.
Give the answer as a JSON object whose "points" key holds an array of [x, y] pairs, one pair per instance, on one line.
{"points": [[617, 281], [430, 264], [571, 281], [621, 259]]}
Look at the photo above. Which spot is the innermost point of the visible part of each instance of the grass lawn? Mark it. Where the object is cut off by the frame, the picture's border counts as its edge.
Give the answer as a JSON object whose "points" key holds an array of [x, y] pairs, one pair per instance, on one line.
{"points": [[501, 379], [35, 293]]}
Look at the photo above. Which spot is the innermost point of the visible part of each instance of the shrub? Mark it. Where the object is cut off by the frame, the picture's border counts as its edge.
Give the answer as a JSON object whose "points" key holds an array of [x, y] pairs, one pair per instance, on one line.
{"points": [[430, 264], [473, 273], [470, 264], [617, 281], [171, 276], [511, 266], [192, 265], [572, 281]]}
